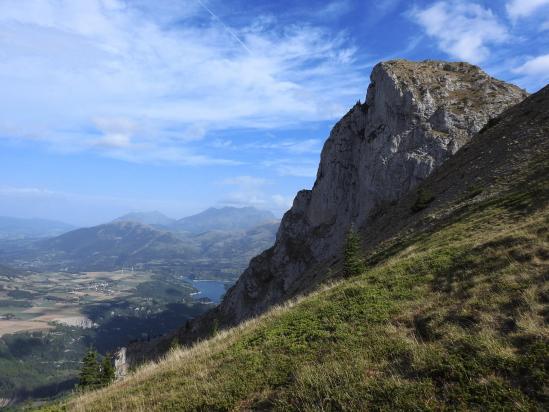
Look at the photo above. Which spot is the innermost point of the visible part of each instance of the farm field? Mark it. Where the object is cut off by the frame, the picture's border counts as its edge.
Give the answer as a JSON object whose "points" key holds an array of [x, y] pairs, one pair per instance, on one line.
{"points": [[36, 301], [48, 321]]}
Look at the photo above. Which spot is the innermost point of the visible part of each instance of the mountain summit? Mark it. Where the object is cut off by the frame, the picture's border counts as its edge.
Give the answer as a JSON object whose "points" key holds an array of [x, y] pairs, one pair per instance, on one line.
{"points": [[153, 218]]}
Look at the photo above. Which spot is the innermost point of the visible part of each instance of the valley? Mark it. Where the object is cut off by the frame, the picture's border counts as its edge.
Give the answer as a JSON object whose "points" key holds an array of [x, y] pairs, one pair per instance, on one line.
{"points": [[38, 300], [50, 319], [110, 285]]}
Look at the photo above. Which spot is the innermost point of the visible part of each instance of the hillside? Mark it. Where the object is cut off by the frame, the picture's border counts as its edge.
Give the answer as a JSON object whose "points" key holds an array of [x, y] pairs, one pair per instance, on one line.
{"points": [[114, 245], [449, 313]]}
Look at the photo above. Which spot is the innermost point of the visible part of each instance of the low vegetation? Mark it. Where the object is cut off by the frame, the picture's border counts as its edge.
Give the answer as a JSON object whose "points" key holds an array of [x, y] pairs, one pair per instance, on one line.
{"points": [[353, 261], [424, 197], [453, 318]]}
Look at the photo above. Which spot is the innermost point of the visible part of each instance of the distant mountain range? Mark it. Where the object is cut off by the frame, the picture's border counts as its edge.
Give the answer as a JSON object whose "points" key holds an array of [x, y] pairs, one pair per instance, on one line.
{"points": [[216, 243], [17, 228], [227, 219], [154, 218], [113, 245]]}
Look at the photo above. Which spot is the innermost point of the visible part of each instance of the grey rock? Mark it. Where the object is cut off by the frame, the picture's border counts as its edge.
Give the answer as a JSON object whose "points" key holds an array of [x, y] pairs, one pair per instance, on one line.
{"points": [[415, 116]]}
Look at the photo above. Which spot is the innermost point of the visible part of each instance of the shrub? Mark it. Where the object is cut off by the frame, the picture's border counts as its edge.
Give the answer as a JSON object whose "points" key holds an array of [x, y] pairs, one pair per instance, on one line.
{"points": [[423, 198], [353, 263]]}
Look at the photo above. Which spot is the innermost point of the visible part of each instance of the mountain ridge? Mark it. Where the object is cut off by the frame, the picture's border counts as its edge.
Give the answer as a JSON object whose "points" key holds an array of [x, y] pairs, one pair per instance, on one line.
{"points": [[225, 218], [153, 218], [20, 228]]}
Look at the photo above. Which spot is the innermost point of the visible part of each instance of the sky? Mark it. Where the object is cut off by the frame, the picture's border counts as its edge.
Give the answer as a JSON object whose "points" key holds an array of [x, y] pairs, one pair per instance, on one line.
{"points": [[111, 106]]}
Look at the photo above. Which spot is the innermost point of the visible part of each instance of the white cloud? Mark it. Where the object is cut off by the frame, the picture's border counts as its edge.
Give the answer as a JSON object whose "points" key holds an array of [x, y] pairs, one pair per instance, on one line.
{"points": [[32, 192], [116, 140], [282, 202], [524, 8], [334, 9], [537, 68], [250, 192], [462, 29], [245, 181], [65, 64], [291, 146], [293, 167]]}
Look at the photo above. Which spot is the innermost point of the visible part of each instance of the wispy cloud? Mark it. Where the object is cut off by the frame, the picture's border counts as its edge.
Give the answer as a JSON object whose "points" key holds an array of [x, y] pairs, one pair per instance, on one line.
{"points": [[174, 73], [31, 192], [291, 146], [462, 29], [536, 67], [524, 8], [293, 167], [249, 182], [250, 191]]}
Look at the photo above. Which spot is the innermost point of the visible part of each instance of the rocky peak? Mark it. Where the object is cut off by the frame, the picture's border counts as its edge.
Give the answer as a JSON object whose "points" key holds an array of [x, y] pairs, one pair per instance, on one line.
{"points": [[415, 116]]}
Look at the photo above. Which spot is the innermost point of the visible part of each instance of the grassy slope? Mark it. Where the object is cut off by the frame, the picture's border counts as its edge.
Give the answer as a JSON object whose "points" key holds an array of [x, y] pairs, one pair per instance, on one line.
{"points": [[452, 318]]}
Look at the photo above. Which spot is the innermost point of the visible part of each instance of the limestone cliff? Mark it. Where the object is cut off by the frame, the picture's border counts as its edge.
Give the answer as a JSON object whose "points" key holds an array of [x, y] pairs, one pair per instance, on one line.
{"points": [[416, 115]]}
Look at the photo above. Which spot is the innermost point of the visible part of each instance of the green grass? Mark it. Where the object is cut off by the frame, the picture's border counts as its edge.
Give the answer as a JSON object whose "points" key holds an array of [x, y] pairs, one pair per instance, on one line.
{"points": [[451, 319]]}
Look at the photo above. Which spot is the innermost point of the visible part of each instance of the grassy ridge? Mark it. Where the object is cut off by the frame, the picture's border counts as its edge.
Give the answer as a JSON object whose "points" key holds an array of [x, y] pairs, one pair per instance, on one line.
{"points": [[455, 318]]}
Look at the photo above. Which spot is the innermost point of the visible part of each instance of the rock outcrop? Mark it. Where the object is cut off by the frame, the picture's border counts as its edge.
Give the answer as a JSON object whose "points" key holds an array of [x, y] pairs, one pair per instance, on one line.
{"points": [[416, 115]]}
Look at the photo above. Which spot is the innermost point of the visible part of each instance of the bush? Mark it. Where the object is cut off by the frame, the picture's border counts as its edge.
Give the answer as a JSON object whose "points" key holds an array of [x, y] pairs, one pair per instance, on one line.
{"points": [[353, 263], [423, 198]]}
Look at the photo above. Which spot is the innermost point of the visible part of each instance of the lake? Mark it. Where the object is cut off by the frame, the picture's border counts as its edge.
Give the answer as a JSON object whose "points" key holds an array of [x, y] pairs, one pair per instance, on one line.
{"points": [[211, 289]]}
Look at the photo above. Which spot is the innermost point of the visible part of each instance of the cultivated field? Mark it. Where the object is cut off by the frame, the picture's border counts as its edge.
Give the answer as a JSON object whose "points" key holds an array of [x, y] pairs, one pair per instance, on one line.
{"points": [[37, 301]]}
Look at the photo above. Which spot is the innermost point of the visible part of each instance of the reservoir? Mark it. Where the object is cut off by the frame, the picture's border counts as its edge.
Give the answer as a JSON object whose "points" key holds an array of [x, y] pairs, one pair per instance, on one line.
{"points": [[211, 289]]}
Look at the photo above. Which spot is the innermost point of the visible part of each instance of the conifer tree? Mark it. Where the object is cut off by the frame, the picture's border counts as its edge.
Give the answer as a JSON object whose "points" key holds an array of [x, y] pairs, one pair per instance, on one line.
{"points": [[107, 370], [90, 372], [353, 263], [174, 344]]}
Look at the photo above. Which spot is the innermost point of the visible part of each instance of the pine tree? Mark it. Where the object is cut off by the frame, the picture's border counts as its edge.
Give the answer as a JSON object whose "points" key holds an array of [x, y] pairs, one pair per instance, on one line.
{"points": [[107, 370], [174, 344], [90, 372], [353, 263]]}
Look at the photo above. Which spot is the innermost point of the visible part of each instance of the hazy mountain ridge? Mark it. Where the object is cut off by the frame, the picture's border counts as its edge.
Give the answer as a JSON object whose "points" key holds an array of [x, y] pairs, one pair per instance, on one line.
{"points": [[225, 219], [19, 228], [124, 242], [153, 218]]}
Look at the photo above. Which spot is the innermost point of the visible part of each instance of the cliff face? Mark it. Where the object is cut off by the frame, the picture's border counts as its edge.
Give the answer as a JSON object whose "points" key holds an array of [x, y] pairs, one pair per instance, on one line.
{"points": [[416, 115]]}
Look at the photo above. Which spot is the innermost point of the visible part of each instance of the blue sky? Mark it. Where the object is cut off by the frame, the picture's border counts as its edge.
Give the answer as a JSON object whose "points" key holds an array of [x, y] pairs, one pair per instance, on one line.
{"points": [[110, 106]]}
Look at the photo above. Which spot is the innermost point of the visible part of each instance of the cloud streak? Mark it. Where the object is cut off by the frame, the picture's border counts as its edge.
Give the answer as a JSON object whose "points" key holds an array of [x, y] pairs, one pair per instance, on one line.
{"points": [[65, 64], [524, 8]]}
